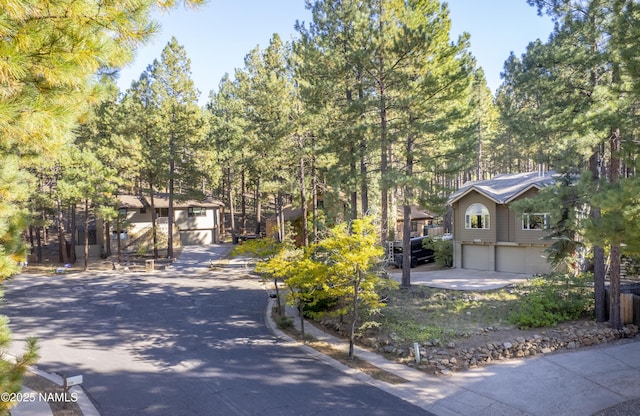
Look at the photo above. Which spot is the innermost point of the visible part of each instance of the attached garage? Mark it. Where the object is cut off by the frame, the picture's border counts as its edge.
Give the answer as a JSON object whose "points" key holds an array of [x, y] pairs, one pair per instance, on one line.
{"points": [[476, 257], [489, 233], [196, 237], [510, 259], [536, 261]]}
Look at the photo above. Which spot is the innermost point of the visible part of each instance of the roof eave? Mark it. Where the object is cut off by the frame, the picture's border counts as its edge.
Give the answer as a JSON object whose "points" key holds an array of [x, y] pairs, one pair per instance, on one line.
{"points": [[473, 188], [521, 192]]}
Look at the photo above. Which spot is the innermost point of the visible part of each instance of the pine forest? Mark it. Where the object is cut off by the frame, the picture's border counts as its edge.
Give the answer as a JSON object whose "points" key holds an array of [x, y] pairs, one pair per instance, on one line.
{"points": [[371, 109]]}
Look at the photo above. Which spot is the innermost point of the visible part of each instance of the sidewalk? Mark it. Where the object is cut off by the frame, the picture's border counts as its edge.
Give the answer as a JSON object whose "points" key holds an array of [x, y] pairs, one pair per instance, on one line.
{"points": [[578, 383], [31, 408], [34, 406]]}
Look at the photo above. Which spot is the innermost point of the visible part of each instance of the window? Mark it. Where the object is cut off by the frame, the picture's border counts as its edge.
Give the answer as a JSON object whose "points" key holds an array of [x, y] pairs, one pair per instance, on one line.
{"points": [[476, 216], [162, 212], [197, 212], [535, 221], [123, 235]]}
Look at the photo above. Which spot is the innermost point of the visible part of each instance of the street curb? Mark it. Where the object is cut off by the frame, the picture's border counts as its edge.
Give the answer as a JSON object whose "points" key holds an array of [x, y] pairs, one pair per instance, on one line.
{"points": [[406, 392], [86, 405], [359, 375]]}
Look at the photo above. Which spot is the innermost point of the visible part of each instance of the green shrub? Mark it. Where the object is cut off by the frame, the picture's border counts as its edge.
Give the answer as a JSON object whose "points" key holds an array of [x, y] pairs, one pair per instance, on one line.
{"points": [[408, 331], [442, 251], [284, 322], [547, 301]]}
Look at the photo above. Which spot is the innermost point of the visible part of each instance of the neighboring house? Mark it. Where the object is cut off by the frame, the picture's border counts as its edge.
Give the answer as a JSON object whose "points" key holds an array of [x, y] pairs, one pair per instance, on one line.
{"points": [[198, 221], [290, 215], [195, 222], [420, 219], [96, 237], [331, 205], [488, 235]]}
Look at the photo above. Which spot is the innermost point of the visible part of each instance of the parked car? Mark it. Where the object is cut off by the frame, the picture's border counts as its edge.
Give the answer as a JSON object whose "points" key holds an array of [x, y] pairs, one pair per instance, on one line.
{"points": [[419, 254]]}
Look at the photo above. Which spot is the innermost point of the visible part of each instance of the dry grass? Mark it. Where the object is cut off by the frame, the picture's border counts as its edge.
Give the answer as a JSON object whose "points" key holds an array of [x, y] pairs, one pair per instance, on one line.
{"points": [[356, 363], [424, 314]]}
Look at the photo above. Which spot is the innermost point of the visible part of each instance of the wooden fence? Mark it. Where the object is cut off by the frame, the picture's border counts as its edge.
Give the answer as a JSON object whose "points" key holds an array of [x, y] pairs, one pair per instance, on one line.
{"points": [[630, 308]]}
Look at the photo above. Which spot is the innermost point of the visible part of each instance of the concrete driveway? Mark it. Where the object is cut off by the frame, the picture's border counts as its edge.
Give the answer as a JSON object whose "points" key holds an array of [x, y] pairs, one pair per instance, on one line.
{"points": [[459, 279]]}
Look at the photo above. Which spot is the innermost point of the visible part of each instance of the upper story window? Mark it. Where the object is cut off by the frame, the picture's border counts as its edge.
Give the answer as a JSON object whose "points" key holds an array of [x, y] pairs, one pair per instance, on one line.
{"points": [[535, 221], [197, 212], [476, 216]]}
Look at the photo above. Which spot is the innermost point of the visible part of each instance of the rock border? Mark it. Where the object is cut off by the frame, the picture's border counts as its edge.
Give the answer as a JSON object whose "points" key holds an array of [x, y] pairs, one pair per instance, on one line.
{"points": [[440, 358]]}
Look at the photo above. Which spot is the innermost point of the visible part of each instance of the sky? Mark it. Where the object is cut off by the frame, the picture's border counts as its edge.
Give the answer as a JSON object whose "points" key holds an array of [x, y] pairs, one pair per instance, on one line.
{"points": [[218, 35]]}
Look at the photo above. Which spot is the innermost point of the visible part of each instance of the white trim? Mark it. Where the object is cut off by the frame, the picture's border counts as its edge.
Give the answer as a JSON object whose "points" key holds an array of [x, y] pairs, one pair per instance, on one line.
{"points": [[486, 217], [545, 220]]}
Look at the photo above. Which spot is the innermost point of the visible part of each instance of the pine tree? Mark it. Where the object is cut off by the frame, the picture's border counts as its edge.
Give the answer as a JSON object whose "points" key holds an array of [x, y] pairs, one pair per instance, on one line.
{"points": [[266, 88], [332, 85], [54, 54], [85, 182], [228, 129], [142, 126], [181, 124], [571, 95]]}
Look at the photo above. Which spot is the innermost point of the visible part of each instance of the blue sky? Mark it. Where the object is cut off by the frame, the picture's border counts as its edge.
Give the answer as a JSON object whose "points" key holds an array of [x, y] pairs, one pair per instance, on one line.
{"points": [[217, 36]]}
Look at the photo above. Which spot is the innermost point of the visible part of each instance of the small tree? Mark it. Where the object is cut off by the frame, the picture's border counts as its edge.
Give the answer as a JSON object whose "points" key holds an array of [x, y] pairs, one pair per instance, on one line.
{"points": [[306, 280], [268, 251], [351, 254]]}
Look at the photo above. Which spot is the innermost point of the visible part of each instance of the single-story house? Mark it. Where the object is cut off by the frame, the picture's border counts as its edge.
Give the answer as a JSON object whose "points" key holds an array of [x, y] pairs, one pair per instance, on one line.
{"points": [[488, 235]]}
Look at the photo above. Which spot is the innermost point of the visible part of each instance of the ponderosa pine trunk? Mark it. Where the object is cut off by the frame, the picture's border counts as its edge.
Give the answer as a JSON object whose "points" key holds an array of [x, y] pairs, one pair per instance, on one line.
{"points": [[615, 320], [598, 252], [258, 209], [62, 241], [154, 218], [303, 196], [86, 235]]}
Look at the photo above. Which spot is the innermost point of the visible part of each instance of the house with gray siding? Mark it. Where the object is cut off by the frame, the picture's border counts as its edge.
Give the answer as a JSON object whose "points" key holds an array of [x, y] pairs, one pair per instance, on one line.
{"points": [[489, 235]]}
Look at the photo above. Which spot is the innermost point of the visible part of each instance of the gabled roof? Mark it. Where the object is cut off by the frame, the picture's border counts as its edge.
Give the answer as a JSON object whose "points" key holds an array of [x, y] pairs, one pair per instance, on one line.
{"points": [[503, 189], [162, 201], [417, 213]]}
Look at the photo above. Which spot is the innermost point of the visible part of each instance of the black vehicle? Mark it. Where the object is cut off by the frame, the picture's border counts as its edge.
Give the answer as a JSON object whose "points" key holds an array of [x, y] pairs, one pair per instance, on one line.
{"points": [[419, 254]]}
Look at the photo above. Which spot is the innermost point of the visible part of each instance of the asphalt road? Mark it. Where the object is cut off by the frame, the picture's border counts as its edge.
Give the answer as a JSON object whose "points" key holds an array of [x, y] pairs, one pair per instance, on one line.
{"points": [[177, 343]]}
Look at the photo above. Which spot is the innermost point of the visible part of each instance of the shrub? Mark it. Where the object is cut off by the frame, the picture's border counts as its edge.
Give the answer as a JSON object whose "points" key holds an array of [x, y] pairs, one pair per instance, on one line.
{"points": [[284, 322], [442, 251], [549, 300]]}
